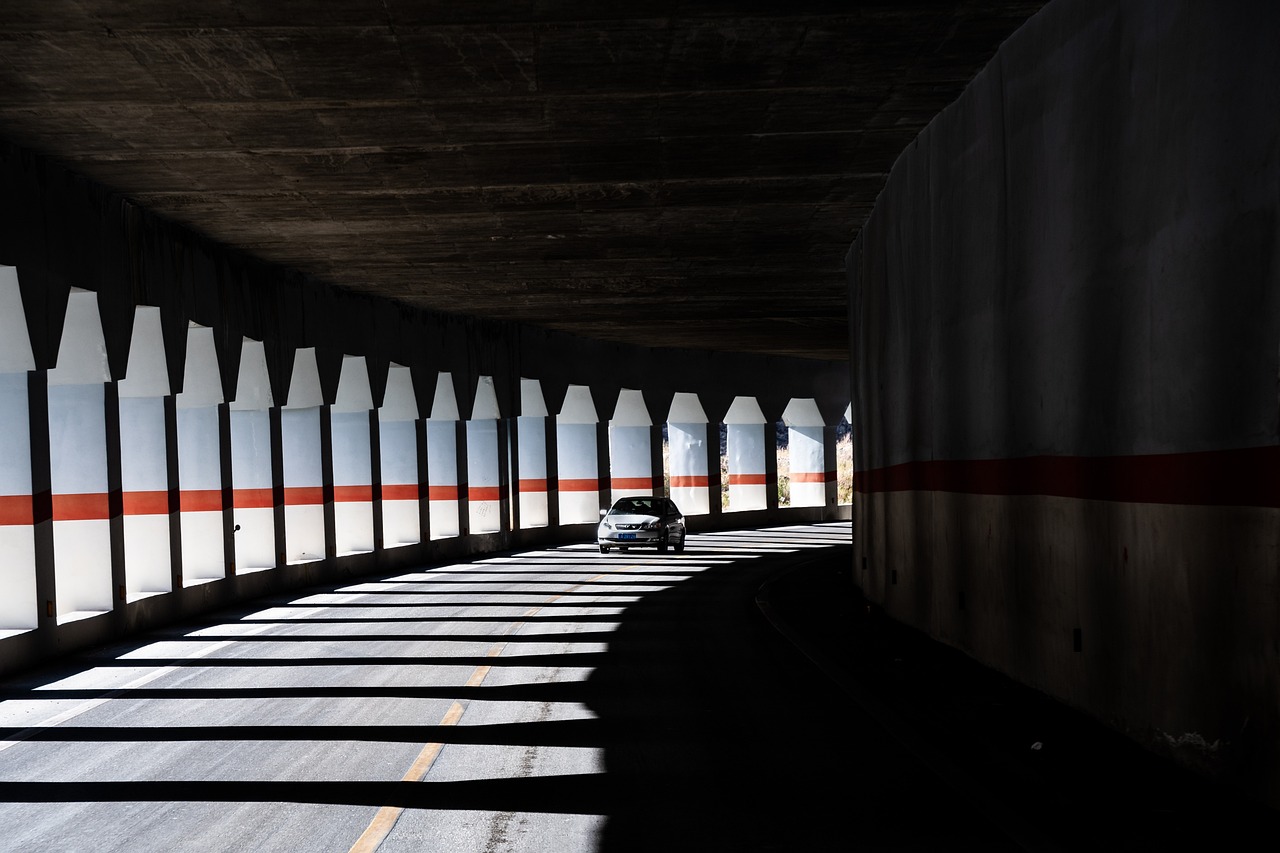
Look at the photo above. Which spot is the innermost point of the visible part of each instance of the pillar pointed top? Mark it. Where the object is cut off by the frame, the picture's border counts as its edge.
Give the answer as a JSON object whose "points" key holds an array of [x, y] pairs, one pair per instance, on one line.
{"points": [[147, 374], [444, 407], [253, 387], [15, 342], [82, 355]]}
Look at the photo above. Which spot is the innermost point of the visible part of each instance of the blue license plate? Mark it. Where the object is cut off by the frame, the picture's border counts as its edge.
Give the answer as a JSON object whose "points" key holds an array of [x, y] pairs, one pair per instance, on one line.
{"points": [[626, 536]]}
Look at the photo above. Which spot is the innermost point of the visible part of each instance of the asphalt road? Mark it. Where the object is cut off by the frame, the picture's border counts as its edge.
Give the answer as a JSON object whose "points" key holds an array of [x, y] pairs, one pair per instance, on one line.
{"points": [[736, 697]]}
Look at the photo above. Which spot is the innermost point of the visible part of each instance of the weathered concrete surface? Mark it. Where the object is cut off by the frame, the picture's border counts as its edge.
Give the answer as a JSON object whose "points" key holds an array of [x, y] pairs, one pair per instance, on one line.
{"points": [[677, 174], [1066, 326]]}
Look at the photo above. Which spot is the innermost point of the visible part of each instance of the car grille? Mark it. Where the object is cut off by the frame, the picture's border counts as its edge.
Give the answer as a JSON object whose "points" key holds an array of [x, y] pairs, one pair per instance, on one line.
{"points": [[628, 526]]}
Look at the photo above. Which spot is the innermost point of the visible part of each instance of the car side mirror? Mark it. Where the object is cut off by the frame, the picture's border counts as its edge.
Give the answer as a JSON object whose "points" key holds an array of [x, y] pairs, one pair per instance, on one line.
{"points": [[603, 513]]}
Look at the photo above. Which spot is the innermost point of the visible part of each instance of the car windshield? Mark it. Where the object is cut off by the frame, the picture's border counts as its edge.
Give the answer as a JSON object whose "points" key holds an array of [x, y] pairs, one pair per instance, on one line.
{"points": [[635, 506]]}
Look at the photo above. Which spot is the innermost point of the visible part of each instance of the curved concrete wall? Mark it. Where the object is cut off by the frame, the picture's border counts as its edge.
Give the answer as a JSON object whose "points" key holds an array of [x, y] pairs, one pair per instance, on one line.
{"points": [[1066, 339]]}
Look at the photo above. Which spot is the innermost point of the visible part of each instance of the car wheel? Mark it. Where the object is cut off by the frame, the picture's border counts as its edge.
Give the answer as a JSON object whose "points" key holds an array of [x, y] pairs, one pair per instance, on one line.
{"points": [[604, 549], [679, 546], [662, 544]]}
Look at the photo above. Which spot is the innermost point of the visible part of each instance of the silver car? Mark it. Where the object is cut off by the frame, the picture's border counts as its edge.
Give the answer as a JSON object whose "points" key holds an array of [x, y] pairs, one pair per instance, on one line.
{"points": [[641, 520]]}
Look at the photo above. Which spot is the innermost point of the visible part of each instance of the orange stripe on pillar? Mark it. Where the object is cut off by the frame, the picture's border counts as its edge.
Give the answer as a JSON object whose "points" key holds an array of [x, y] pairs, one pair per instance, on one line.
{"points": [[253, 499], [200, 500], [619, 483], [154, 502], [533, 485], [90, 507], [484, 493], [303, 496], [813, 476], [399, 491], [352, 494], [16, 509], [442, 493], [689, 481], [584, 485], [746, 479]]}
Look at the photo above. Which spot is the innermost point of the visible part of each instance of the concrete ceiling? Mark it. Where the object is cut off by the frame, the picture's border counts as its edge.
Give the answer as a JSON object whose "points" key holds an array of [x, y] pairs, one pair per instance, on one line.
{"points": [[681, 173]]}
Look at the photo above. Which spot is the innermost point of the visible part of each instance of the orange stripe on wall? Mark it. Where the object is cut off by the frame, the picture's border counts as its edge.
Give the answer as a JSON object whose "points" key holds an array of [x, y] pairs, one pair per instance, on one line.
{"points": [[689, 481], [484, 493], [200, 500], [399, 491], [533, 485], [16, 509], [619, 483], [442, 493], [352, 494], [81, 507], [813, 476], [146, 503], [303, 496], [591, 485], [253, 499], [746, 479]]}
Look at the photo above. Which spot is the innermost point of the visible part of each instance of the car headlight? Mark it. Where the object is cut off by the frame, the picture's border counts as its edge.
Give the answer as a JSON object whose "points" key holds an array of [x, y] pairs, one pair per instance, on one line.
{"points": [[651, 525], [605, 525]]}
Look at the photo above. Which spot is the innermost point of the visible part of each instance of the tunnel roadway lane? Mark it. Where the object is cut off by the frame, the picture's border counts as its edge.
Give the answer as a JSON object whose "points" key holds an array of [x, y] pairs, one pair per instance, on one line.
{"points": [[557, 700]]}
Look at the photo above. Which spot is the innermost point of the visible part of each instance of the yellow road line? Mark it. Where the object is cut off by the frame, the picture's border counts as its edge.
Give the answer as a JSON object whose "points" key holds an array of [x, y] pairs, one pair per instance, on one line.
{"points": [[385, 820]]}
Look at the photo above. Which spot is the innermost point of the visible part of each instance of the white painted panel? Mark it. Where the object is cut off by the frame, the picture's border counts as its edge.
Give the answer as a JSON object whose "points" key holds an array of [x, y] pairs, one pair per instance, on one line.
{"points": [[144, 464], [576, 449], [532, 441], [251, 449], [484, 516], [202, 554], [304, 533], [482, 453], [629, 454], [82, 568], [146, 556], [442, 453], [533, 510], [77, 439], [444, 519], [400, 523], [199, 449], [256, 539], [351, 451], [300, 430], [398, 449], [805, 453], [631, 410], [15, 424], [579, 507], [147, 374], [353, 526], [19, 609]]}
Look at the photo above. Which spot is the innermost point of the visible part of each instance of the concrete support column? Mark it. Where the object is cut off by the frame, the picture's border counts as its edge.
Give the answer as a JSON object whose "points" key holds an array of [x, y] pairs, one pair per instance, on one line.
{"points": [[200, 461], [553, 471], [352, 459], [398, 460], [631, 468], [144, 461], [531, 449], [442, 461], [748, 483], [303, 465], [252, 464], [808, 443], [78, 464], [579, 466], [687, 440], [19, 609], [484, 477]]}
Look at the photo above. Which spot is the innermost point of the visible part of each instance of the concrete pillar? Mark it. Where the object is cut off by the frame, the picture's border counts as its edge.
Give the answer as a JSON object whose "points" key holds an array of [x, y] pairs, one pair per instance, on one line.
{"points": [[352, 459], [252, 464], [398, 460], [531, 447], [78, 463], [200, 461], [578, 463], [687, 442], [746, 449], [302, 455], [484, 481], [19, 611], [144, 460], [808, 443], [631, 448], [442, 460]]}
